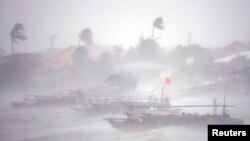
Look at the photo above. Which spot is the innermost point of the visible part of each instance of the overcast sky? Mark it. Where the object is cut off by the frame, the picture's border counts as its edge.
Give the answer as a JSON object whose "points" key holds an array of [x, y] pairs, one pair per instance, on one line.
{"points": [[212, 22]]}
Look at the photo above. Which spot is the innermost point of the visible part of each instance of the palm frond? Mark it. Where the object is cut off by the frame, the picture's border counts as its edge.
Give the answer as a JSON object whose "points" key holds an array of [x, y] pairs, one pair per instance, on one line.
{"points": [[18, 32], [158, 23], [86, 36]]}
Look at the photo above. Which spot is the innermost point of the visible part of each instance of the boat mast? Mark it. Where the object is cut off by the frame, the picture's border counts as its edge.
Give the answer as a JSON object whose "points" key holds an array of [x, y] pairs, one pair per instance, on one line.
{"points": [[215, 106], [224, 104]]}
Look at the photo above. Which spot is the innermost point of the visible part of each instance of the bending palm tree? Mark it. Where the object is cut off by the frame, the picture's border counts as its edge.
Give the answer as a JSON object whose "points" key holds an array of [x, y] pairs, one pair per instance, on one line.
{"points": [[17, 33], [158, 23], [87, 36]]}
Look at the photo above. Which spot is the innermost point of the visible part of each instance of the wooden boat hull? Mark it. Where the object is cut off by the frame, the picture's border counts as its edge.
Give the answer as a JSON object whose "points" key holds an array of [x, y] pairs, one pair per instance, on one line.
{"points": [[148, 122]]}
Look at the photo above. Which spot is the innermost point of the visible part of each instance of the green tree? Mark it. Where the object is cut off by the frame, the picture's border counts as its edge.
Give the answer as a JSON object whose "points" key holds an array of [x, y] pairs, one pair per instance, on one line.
{"points": [[147, 49], [187, 55], [17, 33]]}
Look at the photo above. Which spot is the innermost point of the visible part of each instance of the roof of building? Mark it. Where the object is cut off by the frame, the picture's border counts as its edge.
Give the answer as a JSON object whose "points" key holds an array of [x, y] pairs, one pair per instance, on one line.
{"points": [[230, 49], [140, 66], [233, 56]]}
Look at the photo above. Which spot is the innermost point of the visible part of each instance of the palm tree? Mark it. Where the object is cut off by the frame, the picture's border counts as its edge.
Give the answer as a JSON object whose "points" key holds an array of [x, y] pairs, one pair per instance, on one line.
{"points": [[17, 33], [158, 23], [87, 36]]}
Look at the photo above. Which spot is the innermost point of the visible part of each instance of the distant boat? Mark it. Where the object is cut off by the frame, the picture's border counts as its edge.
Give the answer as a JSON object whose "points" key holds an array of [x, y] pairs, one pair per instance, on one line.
{"points": [[48, 100]]}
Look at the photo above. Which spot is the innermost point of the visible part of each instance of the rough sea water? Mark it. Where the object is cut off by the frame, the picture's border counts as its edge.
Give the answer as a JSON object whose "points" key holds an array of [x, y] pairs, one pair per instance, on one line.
{"points": [[64, 124]]}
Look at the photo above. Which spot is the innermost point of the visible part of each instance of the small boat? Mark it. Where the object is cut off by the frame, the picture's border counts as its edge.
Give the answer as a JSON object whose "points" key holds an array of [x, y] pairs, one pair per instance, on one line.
{"points": [[143, 121], [118, 104], [45, 100]]}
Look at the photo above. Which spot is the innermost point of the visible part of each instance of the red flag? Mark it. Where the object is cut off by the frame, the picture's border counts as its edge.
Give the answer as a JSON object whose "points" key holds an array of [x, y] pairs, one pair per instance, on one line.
{"points": [[168, 81]]}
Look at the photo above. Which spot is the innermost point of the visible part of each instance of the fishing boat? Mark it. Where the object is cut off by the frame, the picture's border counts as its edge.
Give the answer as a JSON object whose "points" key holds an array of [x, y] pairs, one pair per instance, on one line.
{"points": [[118, 104], [45, 100], [144, 121]]}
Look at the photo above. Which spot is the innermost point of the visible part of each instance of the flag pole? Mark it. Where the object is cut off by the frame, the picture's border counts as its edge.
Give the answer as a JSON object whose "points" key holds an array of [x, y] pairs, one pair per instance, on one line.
{"points": [[167, 81]]}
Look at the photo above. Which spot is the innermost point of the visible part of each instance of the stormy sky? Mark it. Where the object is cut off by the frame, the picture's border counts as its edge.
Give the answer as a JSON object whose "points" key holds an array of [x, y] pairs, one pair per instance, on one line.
{"points": [[212, 22]]}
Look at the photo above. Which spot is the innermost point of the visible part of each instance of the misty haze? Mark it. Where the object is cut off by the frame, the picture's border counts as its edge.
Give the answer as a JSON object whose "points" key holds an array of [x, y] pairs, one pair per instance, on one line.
{"points": [[129, 70]]}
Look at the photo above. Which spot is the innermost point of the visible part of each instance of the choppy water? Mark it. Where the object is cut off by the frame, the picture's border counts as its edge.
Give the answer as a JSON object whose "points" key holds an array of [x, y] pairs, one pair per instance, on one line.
{"points": [[64, 124]]}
